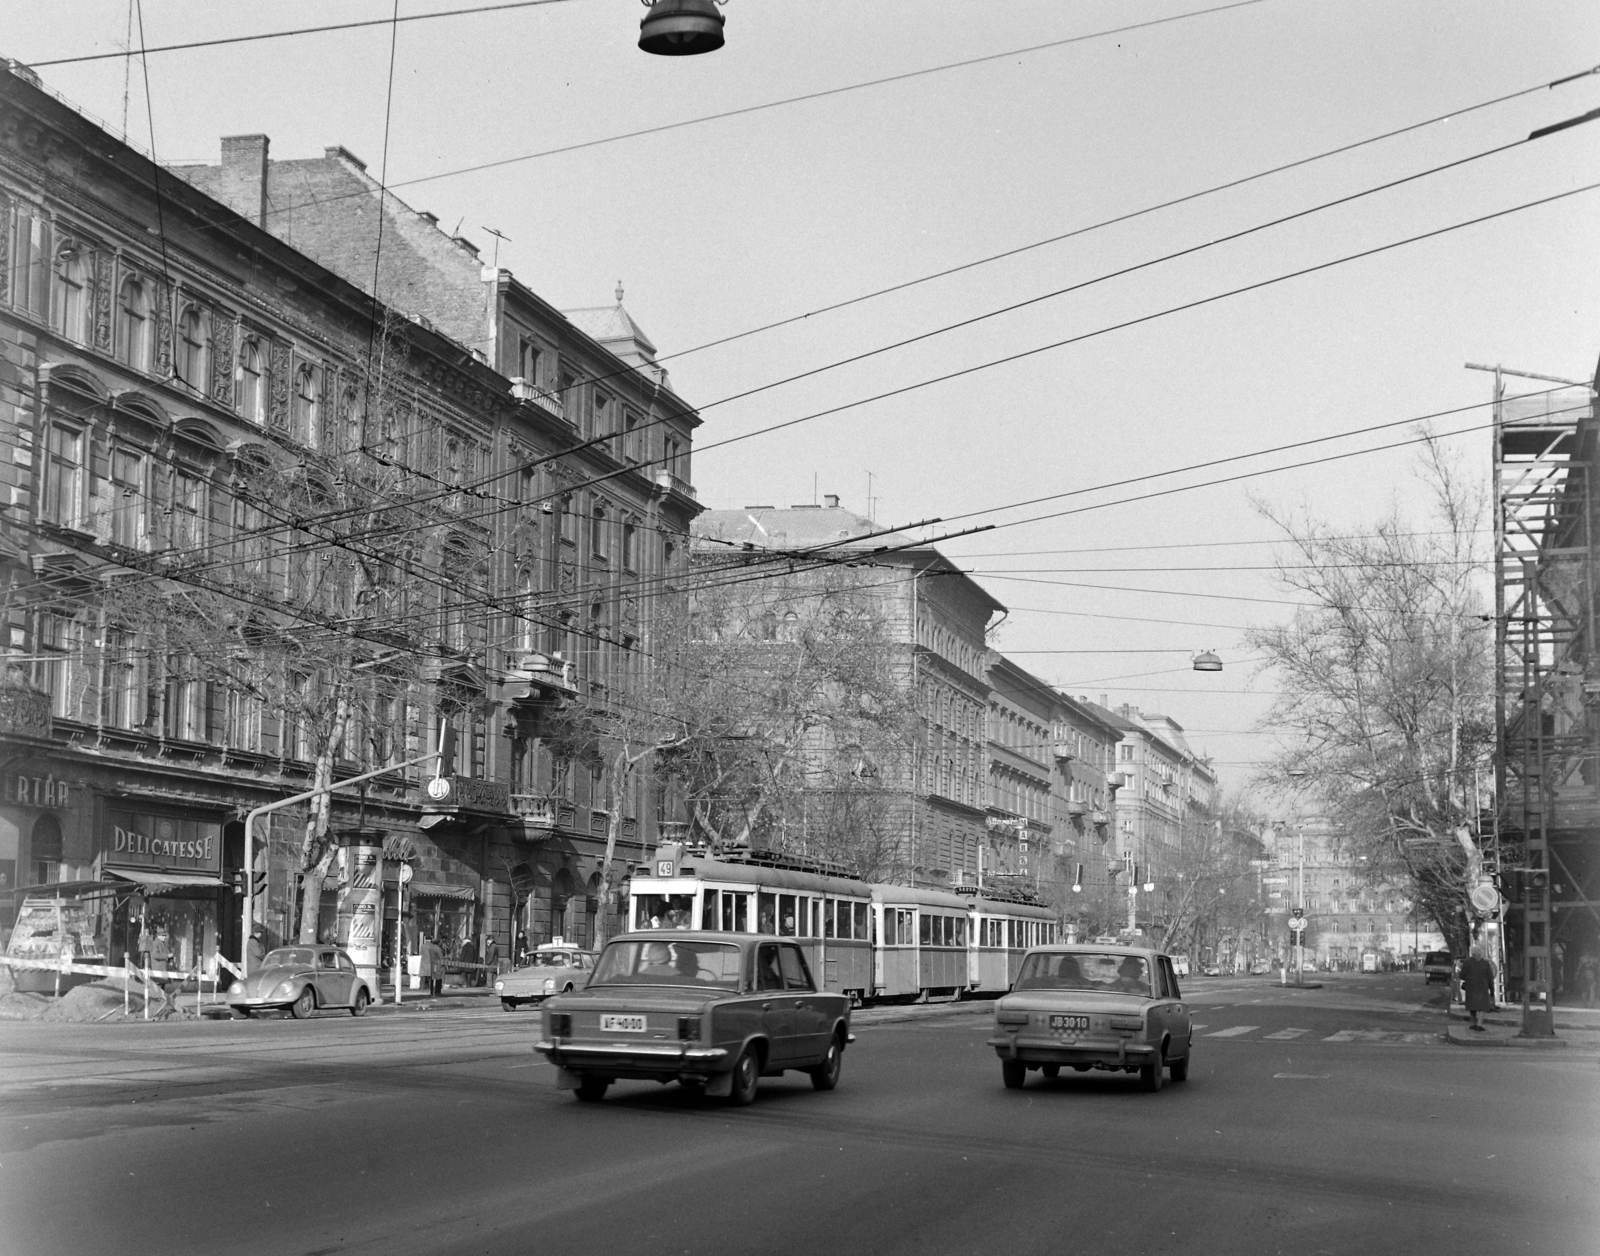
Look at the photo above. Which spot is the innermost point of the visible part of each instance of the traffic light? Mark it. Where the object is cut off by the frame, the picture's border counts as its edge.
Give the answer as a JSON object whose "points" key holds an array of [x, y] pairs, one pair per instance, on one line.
{"points": [[1517, 883]]}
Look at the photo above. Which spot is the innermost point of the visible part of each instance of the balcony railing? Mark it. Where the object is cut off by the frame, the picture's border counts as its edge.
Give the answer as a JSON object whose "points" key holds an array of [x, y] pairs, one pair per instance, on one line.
{"points": [[667, 482], [522, 390]]}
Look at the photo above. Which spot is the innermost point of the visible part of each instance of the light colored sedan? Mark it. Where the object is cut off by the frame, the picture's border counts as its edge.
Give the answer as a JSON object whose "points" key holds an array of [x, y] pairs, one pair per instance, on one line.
{"points": [[553, 969], [1094, 1007], [300, 980]]}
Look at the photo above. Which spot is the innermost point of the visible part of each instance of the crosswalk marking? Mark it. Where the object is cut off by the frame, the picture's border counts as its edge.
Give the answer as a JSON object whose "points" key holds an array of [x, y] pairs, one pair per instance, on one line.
{"points": [[1234, 1032], [1284, 1035]]}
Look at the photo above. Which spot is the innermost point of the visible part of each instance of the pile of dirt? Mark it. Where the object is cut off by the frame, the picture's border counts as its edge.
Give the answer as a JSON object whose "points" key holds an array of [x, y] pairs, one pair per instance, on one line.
{"points": [[14, 1006], [90, 1004]]}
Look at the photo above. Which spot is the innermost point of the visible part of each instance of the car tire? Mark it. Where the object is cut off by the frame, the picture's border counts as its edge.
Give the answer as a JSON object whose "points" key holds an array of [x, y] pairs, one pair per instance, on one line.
{"points": [[1151, 1075], [1013, 1073], [1050, 1070], [241, 1013], [359, 1007], [592, 1089], [1180, 1068], [510, 1005], [826, 1075], [304, 1005], [746, 1077]]}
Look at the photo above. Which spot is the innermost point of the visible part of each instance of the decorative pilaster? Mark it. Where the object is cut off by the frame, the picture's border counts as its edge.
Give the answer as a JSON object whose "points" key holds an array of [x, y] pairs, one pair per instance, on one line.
{"points": [[221, 359]]}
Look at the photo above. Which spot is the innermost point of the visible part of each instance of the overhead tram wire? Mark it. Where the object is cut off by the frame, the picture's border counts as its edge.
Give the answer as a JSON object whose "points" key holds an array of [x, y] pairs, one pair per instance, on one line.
{"points": [[332, 27], [605, 438]]}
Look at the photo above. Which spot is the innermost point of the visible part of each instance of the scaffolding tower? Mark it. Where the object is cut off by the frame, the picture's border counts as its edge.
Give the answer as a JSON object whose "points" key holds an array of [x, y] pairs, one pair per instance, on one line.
{"points": [[1547, 699]]}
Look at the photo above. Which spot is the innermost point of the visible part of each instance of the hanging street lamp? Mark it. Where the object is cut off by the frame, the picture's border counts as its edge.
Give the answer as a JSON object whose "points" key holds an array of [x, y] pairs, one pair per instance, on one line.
{"points": [[1207, 662], [681, 28]]}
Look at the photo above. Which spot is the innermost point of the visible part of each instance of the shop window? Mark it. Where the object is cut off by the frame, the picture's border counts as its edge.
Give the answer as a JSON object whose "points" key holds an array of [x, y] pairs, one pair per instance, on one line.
{"points": [[45, 852], [63, 475], [133, 324], [69, 305]]}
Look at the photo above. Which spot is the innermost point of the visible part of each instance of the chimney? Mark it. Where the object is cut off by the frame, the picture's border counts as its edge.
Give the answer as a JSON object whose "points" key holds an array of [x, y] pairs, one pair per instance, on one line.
{"points": [[244, 176], [831, 501]]}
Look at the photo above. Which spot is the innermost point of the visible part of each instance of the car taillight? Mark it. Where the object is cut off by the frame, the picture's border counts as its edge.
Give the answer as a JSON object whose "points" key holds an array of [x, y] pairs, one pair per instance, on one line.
{"points": [[1126, 1022], [560, 1024], [689, 1029], [1007, 1017]]}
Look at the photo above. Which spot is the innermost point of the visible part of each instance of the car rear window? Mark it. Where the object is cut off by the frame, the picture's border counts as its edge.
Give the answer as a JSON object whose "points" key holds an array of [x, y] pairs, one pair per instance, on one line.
{"points": [[659, 962], [1101, 972]]}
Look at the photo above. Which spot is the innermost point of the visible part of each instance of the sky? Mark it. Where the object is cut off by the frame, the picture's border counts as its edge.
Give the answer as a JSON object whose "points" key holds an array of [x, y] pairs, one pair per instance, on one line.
{"points": [[1066, 115]]}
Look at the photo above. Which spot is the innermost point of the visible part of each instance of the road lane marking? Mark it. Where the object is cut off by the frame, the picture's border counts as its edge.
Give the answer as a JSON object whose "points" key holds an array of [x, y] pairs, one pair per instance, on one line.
{"points": [[1302, 1077], [1284, 1035], [1235, 1032]]}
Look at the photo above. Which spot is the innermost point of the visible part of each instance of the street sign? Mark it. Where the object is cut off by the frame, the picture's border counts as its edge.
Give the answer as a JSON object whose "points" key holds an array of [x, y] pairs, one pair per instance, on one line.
{"points": [[1297, 924], [1274, 880]]}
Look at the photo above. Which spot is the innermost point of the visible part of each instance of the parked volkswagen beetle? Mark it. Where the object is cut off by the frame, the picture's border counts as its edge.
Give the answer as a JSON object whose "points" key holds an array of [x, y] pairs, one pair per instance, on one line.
{"points": [[300, 980]]}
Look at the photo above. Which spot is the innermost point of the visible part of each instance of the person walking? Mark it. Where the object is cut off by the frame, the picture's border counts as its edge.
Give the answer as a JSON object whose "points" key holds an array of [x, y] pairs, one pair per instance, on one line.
{"points": [[1477, 983], [491, 959], [255, 951], [425, 952], [438, 965], [1588, 976]]}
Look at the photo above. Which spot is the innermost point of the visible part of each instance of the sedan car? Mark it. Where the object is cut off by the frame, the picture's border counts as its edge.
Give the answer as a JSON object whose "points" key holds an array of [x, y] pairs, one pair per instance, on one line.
{"points": [[301, 979], [1093, 1007], [715, 1012], [553, 969]]}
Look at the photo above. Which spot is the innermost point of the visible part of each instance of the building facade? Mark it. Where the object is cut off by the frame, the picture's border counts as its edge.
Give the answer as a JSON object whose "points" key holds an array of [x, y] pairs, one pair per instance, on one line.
{"points": [[395, 525]]}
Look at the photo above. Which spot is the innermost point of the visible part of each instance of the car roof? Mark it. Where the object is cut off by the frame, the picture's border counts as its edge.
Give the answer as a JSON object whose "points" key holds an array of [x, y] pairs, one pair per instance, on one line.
{"points": [[700, 935], [1089, 948]]}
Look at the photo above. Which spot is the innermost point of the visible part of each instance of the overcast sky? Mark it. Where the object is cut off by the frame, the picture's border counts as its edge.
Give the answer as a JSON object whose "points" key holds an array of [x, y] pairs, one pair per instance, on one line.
{"points": [[724, 226]]}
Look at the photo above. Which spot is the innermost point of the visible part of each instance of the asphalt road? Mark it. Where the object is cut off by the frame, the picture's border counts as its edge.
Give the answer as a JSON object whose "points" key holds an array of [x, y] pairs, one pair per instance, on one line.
{"points": [[1326, 1121]]}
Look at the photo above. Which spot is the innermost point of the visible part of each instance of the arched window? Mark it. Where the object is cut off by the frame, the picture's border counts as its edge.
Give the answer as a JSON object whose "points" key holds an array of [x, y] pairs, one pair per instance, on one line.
{"points": [[252, 394], [597, 533], [306, 394], [194, 342], [133, 324], [69, 304]]}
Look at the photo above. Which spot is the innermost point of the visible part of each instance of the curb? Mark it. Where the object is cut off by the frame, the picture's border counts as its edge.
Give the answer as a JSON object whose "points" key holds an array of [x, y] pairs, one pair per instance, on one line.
{"points": [[1461, 1036]]}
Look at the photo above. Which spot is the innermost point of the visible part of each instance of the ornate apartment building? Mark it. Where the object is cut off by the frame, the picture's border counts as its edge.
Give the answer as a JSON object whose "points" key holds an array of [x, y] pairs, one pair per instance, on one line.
{"points": [[253, 516]]}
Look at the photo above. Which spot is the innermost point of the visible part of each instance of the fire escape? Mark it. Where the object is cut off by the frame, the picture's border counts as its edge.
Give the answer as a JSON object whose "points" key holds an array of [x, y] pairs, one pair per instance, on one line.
{"points": [[1547, 698]]}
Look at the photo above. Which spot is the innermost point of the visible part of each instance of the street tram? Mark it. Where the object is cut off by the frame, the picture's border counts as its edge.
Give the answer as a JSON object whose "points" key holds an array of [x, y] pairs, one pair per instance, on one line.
{"points": [[1005, 925], [870, 941], [921, 943], [826, 912]]}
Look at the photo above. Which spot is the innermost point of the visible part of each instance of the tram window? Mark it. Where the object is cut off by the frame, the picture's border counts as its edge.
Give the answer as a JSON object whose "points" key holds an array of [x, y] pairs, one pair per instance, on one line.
{"points": [[925, 936], [735, 912], [816, 919], [766, 912], [663, 911], [710, 913], [786, 915], [862, 914], [961, 931]]}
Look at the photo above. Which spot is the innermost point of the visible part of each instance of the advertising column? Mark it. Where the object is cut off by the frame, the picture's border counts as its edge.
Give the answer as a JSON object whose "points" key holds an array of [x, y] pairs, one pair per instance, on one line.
{"points": [[363, 905]]}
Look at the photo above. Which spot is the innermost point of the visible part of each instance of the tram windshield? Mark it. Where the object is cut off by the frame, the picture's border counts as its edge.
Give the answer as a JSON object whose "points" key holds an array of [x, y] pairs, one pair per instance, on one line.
{"points": [[663, 911], [657, 962], [1102, 973]]}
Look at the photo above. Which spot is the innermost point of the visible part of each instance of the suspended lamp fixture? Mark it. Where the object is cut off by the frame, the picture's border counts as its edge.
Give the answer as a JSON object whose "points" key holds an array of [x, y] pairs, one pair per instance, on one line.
{"points": [[681, 28], [1207, 662]]}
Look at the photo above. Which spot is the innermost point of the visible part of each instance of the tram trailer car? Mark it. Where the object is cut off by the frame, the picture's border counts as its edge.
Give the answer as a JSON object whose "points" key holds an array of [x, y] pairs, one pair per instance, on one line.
{"points": [[830, 917], [1000, 935]]}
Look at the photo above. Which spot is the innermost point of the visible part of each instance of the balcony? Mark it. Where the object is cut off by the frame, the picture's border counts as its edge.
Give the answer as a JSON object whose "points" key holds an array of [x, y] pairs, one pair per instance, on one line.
{"points": [[522, 390], [669, 483]]}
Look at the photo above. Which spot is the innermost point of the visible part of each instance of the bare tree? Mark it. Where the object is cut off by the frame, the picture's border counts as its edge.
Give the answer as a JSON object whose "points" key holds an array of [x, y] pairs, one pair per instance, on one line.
{"points": [[1385, 679]]}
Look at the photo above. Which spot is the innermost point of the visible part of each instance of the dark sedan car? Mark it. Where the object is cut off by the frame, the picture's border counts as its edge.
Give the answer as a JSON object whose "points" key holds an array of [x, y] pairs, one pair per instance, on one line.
{"points": [[301, 979], [712, 1011]]}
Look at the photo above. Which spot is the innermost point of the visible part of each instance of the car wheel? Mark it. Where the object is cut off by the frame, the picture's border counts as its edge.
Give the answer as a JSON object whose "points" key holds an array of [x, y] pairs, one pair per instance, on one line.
{"points": [[746, 1076], [241, 1013], [1051, 1070], [360, 1005], [826, 1075], [509, 1005], [592, 1089], [303, 1006], [1180, 1068], [1154, 1073], [1013, 1073]]}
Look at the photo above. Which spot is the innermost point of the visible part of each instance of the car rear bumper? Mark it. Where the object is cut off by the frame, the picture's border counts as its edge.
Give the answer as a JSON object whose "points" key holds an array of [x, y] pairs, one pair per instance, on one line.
{"points": [[637, 1060], [1121, 1053]]}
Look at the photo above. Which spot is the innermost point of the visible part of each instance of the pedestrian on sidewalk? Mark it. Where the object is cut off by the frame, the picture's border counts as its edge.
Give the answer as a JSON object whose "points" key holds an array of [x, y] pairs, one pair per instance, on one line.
{"points": [[255, 951], [425, 951], [1477, 982], [491, 960], [1588, 976]]}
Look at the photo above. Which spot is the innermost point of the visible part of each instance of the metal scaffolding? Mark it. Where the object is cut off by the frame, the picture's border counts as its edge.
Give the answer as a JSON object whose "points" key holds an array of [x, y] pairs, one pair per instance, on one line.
{"points": [[1547, 682]]}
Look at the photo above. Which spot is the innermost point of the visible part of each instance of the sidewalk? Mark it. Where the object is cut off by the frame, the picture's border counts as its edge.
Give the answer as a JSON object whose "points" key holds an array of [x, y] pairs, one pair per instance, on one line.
{"points": [[1577, 1027]]}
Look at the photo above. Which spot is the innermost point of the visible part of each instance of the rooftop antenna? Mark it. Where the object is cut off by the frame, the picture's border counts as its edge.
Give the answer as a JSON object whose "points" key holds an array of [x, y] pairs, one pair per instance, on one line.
{"points": [[498, 236]]}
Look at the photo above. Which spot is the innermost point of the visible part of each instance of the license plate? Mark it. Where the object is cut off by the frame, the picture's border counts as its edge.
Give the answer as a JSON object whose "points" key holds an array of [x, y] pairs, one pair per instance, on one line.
{"points": [[622, 1024], [1069, 1022]]}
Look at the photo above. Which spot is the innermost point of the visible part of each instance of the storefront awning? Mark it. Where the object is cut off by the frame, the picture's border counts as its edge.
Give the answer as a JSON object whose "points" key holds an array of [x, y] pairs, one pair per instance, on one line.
{"points": [[437, 889], [163, 880]]}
